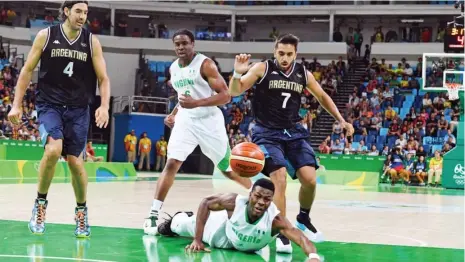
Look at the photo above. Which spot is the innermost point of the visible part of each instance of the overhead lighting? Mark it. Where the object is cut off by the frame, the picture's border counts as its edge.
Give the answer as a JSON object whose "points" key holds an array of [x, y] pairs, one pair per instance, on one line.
{"points": [[315, 20], [412, 20], [138, 16], [52, 9]]}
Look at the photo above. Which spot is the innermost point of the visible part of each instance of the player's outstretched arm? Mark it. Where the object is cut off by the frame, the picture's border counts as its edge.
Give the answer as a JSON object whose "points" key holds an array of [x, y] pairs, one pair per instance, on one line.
{"points": [[282, 225], [240, 83], [326, 102], [211, 203], [31, 63], [100, 67], [101, 71]]}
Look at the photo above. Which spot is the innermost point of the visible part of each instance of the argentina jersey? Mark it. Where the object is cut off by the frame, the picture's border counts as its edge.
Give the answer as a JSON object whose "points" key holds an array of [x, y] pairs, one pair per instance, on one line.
{"points": [[66, 74], [276, 102]]}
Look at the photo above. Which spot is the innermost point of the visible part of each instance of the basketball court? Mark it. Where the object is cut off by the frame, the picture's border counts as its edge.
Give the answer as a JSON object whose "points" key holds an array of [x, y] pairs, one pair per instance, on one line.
{"points": [[360, 223]]}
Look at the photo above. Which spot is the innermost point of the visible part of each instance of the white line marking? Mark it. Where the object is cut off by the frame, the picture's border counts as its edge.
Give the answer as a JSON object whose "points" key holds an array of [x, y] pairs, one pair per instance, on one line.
{"points": [[57, 258]]}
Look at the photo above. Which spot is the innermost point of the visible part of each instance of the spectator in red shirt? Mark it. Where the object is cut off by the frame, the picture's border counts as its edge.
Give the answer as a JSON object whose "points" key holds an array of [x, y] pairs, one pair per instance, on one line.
{"points": [[426, 35], [90, 154], [394, 129]]}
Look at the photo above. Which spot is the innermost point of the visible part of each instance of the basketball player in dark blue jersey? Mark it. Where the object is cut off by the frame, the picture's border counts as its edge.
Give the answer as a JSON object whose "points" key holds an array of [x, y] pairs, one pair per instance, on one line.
{"points": [[71, 65], [279, 86]]}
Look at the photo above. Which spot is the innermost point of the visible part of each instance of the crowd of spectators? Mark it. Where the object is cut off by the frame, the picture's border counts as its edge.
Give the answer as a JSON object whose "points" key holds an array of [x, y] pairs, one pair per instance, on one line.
{"points": [[28, 130], [388, 109]]}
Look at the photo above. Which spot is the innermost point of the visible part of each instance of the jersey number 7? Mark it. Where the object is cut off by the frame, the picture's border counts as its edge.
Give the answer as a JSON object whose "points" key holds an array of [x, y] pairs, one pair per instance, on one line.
{"points": [[69, 69], [286, 98]]}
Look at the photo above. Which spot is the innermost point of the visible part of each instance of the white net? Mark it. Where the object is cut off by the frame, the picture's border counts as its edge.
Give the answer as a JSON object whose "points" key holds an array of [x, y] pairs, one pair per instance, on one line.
{"points": [[453, 90]]}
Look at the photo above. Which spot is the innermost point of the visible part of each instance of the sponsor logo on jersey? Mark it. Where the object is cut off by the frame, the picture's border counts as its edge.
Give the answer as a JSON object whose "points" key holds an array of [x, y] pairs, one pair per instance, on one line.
{"points": [[56, 42]]}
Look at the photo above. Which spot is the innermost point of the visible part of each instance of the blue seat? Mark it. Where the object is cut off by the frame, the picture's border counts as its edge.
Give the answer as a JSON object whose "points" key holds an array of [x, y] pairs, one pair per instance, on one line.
{"points": [[355, 145], [161, 79], [426, 140], [448, 118], [371, 139], [383, 131], [379, 146], [442, 132], [372, 132], [434, 148], [357, 138], [386, 125], [160, 67], [381, 140]]}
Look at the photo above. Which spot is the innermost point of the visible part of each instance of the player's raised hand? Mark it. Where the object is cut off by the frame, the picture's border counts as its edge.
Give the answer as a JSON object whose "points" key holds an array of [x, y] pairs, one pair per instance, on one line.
{"points": [[169, 121], [101, 117], [241, 64], [348, 127], [15, 115], [197, 246]]}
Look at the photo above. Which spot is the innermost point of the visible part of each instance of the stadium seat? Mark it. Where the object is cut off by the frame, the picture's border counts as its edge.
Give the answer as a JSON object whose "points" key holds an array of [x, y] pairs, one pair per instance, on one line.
{"points": [[371, 139], [161, 79], [442, 132], [383, 131], [381, 140], [372, 132], [386, 125], [160, 67], [355, 145], [426, 140], [357, 138], [379, 146], [434, 148]]}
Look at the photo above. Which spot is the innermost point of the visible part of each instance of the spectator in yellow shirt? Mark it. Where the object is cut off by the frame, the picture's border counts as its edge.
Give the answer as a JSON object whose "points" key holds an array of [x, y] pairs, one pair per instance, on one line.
{"points": [[130, 142], [317, 74], [161, 154], [145, 146], [435, 168]]}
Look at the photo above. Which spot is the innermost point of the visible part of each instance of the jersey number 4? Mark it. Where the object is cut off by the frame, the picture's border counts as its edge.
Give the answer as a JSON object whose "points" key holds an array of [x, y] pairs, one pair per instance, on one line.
{"points": [[286, 98], [69, 69]]}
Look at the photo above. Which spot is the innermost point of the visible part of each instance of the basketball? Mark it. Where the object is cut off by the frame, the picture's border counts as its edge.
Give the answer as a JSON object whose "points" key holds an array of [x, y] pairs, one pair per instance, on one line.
{"points": [[247, 159]]}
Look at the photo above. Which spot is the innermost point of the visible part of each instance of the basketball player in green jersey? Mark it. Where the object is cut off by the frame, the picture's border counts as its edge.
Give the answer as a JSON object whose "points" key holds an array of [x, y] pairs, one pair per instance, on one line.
{"points": [[231, 221]]}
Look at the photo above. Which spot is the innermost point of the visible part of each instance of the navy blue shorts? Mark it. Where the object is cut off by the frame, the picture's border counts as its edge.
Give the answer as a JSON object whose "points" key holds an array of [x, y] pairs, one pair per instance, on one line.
{"points": [[70, 124], [284, 148]]}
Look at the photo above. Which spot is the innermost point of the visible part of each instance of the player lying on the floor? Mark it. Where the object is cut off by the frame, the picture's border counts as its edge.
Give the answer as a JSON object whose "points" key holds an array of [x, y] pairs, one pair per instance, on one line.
{"points": [[244, 223]]}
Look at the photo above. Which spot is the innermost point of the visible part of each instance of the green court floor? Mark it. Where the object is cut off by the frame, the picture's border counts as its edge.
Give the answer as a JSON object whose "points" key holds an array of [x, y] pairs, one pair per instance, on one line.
{"points": [[119, 244]]}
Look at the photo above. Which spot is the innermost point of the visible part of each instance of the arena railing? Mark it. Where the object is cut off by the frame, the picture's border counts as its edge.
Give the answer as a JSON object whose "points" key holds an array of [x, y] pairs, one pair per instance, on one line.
{"points": [[141, 105]]}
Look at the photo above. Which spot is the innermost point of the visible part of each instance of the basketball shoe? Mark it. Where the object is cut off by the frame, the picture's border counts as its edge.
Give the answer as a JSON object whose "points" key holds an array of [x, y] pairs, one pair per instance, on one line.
{"points": [[82, 223], [283, 245], [37, 222], [303, 223], [150, 224], [164, 228]]}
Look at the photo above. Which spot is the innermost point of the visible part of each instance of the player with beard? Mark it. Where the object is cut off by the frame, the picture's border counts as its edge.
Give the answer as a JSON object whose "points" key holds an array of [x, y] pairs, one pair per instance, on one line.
{"points": [[71, 65], [279, 86]]}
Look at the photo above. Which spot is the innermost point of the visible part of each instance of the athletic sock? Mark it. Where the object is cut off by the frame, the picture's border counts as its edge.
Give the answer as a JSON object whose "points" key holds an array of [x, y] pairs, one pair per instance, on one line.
{"points": [[81, 204], [156, 207], [304, 212], [41, 196], [284, 239]]}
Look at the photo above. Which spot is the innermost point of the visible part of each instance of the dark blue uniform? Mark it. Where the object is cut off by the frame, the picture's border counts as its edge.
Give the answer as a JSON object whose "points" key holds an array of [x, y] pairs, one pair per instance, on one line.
{"points": [[67, 85], [276, 106]]}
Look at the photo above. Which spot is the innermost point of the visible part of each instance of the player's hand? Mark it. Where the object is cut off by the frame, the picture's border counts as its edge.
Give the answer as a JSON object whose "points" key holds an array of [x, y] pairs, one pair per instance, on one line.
{"points": [[241, 64], [348, 127], [15, 115], [187, 101], [197, 246], [169, 121], [101, 117]]}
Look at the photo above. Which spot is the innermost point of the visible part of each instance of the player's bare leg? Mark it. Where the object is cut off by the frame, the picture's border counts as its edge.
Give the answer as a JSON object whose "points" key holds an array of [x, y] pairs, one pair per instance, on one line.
{"points": [[307, 178], [243, 181], [46, 171], [164, 183], [279, 177], [79, 181]]}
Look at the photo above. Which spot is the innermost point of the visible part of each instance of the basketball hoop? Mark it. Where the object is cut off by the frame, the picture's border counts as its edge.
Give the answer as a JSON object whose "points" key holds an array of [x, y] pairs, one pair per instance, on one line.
{"points": [[453, 90]]}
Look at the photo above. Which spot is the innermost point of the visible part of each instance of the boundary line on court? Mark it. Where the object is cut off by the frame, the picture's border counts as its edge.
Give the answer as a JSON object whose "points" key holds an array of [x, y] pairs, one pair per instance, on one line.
{"points": [[57, 258]]}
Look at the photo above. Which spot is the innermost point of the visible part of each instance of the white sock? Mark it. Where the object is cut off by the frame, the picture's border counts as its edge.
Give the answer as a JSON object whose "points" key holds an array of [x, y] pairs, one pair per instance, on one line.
{"points": [[156, 206]]}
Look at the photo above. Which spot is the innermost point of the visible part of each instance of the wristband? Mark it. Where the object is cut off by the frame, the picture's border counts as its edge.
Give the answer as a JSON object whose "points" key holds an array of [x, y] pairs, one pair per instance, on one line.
{"points": [[237, 75], [314, 255]]}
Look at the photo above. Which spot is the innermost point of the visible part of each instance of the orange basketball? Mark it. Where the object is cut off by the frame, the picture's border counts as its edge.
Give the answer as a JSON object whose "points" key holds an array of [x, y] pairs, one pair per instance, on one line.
{"points": [[247, 159]]}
